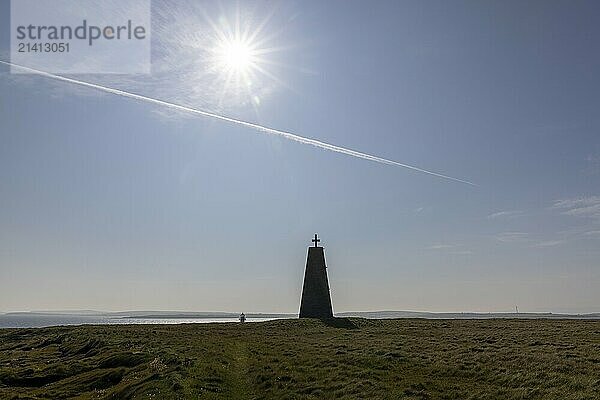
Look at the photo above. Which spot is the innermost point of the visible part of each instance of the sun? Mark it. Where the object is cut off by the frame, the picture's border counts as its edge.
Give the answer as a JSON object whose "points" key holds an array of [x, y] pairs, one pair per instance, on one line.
{"points": [[236, 55], [240, 54]]}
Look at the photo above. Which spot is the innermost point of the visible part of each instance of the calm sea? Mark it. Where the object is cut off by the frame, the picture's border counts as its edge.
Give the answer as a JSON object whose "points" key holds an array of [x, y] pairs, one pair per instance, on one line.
{"points": [[38, 321]]}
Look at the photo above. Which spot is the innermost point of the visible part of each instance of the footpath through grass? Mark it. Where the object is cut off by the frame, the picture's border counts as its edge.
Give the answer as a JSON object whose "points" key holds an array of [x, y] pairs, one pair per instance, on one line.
{"points": [[306, 359]]}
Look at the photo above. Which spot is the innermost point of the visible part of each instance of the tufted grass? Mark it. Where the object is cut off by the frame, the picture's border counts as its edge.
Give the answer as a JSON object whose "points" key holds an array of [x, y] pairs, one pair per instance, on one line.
{"points": [[306, 359]]}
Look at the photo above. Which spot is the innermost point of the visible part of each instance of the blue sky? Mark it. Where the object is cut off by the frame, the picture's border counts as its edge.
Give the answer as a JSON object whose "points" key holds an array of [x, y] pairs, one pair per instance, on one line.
{"points": [[111, 203]]}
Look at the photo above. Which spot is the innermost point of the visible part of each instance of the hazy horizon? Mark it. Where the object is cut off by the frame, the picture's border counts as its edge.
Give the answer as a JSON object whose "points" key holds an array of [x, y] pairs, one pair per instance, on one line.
{"points": [[237, 312], [116, 203]]}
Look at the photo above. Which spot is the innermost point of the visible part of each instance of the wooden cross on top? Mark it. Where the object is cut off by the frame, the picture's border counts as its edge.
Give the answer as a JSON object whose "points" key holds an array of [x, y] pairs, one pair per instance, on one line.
{"points": [[316, 240]]}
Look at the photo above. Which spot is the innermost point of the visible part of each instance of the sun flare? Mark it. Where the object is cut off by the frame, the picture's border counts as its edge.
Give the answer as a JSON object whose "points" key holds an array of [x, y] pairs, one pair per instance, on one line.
{"points": [[236, 55], [241, 55]]}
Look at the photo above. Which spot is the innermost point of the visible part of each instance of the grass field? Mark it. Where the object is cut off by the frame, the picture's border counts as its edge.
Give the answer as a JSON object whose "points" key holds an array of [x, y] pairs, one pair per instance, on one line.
{"points": [[294, 359]]}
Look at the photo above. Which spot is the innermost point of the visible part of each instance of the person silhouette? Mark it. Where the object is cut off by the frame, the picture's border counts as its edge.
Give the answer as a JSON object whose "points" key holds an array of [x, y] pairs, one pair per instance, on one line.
{"points": [[242, 317]]}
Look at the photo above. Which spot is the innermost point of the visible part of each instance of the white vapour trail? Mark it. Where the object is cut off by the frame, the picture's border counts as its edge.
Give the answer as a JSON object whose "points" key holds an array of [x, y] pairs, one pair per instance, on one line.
{"points": [[287, 135]]}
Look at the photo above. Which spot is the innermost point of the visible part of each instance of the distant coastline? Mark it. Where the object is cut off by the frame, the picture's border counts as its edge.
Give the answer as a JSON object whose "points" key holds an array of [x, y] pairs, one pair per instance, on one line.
{"points": [[35, 319], [465, 315]]}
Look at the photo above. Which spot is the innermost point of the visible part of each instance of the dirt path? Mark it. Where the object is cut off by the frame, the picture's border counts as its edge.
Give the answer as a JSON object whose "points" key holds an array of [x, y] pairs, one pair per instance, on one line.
{"points": [[241, 388]]}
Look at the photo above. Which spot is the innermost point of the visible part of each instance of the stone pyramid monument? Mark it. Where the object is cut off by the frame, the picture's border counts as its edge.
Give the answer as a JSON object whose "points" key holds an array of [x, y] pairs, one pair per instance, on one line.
{"points": [[316, 300]]}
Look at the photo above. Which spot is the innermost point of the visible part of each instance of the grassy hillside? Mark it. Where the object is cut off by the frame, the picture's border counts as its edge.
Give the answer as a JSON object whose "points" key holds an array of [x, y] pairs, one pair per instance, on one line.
{"points": [[292, 359]]}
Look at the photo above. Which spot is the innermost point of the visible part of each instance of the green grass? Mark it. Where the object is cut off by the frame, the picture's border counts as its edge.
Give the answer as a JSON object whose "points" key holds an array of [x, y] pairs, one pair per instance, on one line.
{"points": [[306, 359]]}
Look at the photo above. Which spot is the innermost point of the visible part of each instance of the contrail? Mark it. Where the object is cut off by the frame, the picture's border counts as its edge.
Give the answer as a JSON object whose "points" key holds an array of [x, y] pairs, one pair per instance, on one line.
{"points": [[261, 128]]}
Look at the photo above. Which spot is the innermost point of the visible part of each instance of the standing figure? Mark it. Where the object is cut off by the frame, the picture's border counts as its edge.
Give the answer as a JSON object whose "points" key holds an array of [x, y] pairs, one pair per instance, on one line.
{"points": [[242, 317]]}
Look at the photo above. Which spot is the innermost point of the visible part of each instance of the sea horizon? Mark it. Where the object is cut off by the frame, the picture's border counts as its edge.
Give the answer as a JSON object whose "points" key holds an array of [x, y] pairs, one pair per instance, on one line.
{"points": [[42, 319]]}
